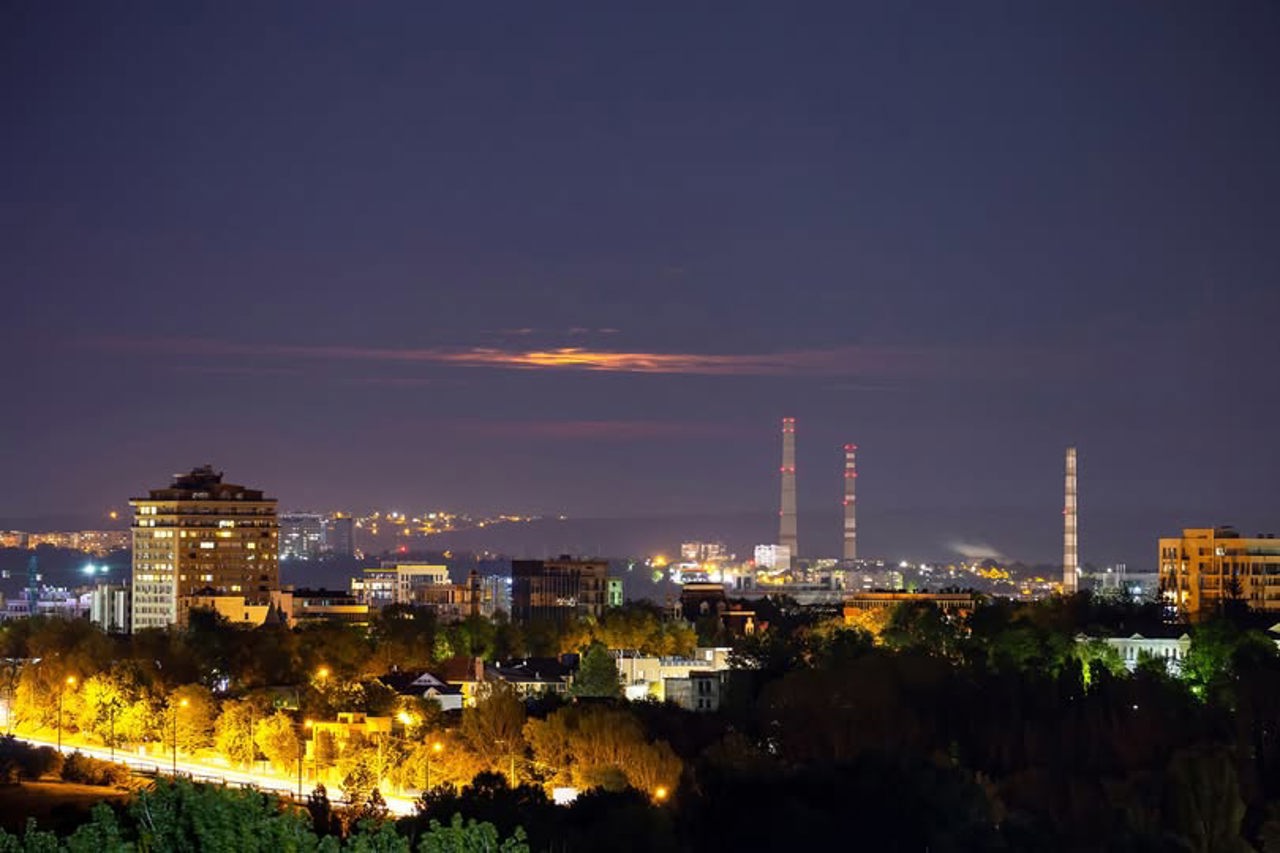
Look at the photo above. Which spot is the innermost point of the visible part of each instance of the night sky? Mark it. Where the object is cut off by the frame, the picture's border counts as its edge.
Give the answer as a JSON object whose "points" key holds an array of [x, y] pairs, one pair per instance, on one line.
{"points": [[581, 257]]}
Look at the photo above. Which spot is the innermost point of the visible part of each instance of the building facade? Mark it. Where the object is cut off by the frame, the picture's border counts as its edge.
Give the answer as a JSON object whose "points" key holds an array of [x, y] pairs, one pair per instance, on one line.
{"points": [[301, 535], [339, 536], [398, 583], [201, 537], [773, 558], [1207, 566], [558, 589]]}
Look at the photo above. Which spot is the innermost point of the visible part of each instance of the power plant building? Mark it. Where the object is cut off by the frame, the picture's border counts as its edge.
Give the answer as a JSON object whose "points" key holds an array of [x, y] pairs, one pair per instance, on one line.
{"points": [[201, 537]]}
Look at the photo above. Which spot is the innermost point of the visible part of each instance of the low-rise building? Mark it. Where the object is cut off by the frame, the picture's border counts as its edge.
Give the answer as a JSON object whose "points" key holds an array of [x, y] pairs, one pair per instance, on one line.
{"points": [[646, 676], [1171, 649], [533, 677], [319, 605], [700, 690], [425, 686], [950, 603]]}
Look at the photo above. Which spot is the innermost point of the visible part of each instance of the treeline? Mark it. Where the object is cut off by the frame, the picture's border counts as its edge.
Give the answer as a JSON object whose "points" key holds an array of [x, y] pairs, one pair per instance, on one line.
{"points": [[1001, 730], [225, 657], [182, 816]]}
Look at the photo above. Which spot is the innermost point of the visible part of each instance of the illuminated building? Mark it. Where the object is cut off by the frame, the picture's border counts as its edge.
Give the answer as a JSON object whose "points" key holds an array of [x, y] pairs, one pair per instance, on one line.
{"points": [[398, 583], [773, 557], [1207, 566], [950, 603], [201, 536], [558, 589], [328, 605], [109, 608], [301, 535], [647, 676], [702, 552]]}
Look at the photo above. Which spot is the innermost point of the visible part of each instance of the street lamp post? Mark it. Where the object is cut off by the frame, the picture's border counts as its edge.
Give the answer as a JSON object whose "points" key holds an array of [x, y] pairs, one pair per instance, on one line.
{"points": [[181, 704], [69, 682], [435, 748]]}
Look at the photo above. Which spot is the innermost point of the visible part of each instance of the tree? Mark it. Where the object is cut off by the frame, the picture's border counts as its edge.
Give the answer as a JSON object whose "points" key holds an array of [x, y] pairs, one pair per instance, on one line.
{"points": [[459, 837], [598, 675], [597, 747], [197, 712], [234, 730], [277, 738], [1202, 800], [494, 728]]}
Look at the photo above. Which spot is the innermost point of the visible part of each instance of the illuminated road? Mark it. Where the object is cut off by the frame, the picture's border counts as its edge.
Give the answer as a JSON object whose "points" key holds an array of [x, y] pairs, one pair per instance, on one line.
{"points": [[284, 786]]}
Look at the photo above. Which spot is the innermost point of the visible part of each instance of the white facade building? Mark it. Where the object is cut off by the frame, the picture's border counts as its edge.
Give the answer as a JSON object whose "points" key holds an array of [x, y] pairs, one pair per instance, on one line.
{"points": [[773, 557]]}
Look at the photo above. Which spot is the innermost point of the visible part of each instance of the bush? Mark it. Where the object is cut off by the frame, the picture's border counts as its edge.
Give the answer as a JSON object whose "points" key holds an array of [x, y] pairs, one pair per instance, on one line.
{"points": [[88, 770], [19, 760]]}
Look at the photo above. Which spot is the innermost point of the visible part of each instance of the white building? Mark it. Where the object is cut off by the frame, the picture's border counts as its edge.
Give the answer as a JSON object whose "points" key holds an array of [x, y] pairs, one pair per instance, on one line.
{"points": [[773, 557], [396, 583], [109, 608], [647, 677]]}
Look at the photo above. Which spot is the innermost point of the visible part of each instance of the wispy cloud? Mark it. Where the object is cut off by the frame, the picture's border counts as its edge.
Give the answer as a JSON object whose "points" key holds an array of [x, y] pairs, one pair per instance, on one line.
{"points": [[976, 551], [836, 361]]}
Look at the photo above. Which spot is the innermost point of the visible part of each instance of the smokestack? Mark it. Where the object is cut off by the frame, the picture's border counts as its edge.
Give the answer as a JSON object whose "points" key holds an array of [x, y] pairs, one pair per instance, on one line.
{"points": [[850, 552], [787, 515], [1070, 554]]}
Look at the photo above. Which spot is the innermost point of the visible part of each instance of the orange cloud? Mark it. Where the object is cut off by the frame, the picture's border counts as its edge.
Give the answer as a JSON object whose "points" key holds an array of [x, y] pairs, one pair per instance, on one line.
{"points": [[837, 361]]}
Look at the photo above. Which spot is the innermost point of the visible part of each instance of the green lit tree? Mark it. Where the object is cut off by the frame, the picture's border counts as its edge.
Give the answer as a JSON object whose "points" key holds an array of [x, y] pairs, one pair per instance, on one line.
{"points": [[598, 675]]}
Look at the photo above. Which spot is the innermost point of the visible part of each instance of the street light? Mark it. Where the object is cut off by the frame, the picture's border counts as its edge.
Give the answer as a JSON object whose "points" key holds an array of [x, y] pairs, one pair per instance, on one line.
{"points": [[184, 703], [436, 748], [69, 682], [660, 793]]}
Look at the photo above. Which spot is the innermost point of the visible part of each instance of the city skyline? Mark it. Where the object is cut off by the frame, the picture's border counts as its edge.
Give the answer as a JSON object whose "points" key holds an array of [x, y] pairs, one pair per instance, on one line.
{"points": [[582, 262]]}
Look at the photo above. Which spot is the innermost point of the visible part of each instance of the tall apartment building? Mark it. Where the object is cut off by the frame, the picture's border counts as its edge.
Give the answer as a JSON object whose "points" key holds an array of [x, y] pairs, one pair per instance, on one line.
{"points": [[201, 537], [301, 535], [339, 535], [558, 589], [1207, 565]]}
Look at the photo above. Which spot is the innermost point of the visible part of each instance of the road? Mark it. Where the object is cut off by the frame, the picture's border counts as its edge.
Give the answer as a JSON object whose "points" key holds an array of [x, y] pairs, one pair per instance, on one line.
{"points": [[284, 786]]}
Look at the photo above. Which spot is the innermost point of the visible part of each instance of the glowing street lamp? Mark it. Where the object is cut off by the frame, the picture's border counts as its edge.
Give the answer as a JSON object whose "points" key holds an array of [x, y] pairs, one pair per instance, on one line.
{"points": [[436, 748], [661, 793], [69, 682]]}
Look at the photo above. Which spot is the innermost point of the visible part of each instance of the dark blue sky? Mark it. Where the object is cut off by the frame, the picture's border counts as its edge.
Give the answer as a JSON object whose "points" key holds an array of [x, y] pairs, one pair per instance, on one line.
{"points": [[316, 244]]}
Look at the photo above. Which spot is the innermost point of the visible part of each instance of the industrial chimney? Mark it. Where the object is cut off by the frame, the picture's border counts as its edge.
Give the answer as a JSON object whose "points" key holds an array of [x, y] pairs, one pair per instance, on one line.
{"points": [[1070, 554], [787, 515], [850, 551]]}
